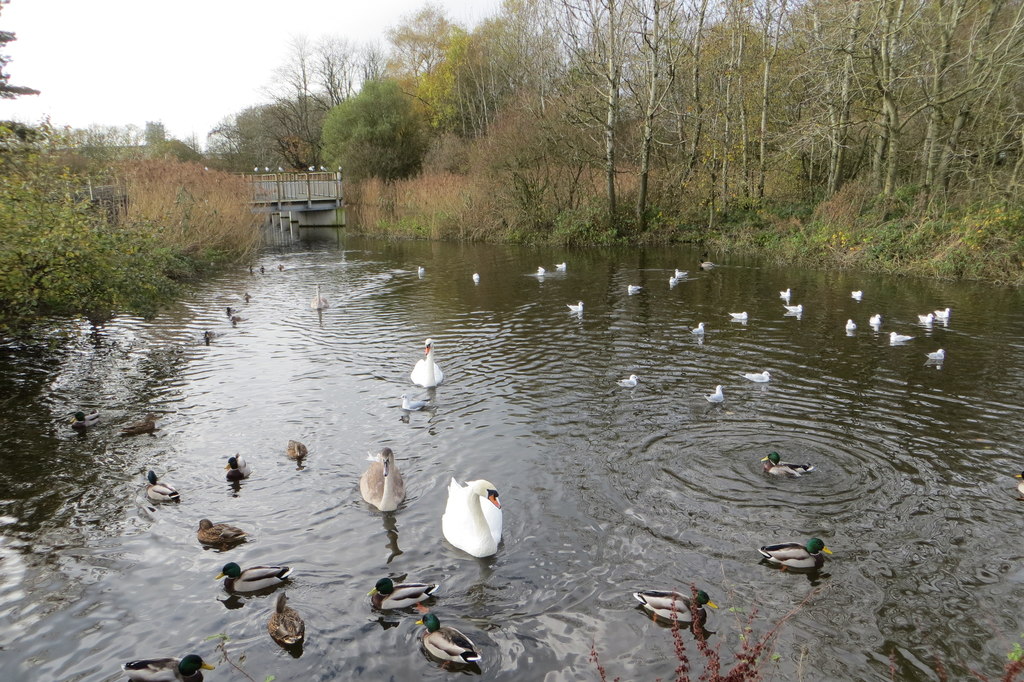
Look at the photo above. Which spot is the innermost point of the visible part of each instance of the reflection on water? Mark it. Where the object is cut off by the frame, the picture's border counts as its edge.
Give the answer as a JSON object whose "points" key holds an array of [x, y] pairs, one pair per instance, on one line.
{"points": [[605, 490]]}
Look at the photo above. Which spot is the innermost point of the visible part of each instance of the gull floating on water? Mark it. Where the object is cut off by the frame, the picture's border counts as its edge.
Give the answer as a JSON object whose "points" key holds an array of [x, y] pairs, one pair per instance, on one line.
{"points": [[851, 326], [630, 382], [875, 321], [680, 274], [795, 309], [633, 289], [942, 315], [926, 320], [895, 338], [578, 308], [786, 295], [412, 405], [759, 377], [476, 278], [739, 317], [672, 281], [856, 295], [938, 355], [421, 271], [699, 329], [541, 270], [717, 396], [560, 266]]}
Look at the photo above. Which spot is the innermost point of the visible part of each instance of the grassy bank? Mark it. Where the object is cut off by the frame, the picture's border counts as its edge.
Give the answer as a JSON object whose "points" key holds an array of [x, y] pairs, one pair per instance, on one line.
{"points": [[65, 254], [980, 238]]}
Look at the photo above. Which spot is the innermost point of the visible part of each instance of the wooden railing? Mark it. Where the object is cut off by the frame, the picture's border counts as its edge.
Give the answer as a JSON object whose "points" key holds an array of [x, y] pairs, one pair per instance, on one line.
{"points": [[292, 188]]}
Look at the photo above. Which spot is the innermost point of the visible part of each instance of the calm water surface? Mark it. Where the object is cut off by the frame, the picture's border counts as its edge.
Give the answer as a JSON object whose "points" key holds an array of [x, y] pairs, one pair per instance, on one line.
{"points": [[605, 490]]}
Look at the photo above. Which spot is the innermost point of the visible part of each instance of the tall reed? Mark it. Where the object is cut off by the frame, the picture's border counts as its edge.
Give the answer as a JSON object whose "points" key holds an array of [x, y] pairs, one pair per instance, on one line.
{"points": [[200, 213]]}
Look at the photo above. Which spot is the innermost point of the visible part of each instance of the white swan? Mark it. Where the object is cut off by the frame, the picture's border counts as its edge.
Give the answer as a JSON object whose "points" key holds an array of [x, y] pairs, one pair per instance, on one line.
{"points": [[578, 308], [427, 373], [319, 302], [895, 338], [759, 377], [630, 382], [633, 289], [857, 295], [717, 396], [472, 517], [699, 329], [851, 326], [739, 317]]}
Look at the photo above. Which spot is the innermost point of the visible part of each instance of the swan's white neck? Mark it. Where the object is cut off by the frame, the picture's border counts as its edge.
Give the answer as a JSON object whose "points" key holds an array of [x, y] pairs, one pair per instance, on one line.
{"points": [[430, 367], [476, 514]]}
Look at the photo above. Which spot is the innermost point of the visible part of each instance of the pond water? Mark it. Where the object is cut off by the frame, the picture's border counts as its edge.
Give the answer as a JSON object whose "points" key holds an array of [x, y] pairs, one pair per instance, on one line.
{"points": [[605, 490]]}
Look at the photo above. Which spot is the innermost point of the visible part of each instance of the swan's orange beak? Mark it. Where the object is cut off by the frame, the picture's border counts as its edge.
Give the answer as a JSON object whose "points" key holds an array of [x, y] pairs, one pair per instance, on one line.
{"points": [[493, 497]]}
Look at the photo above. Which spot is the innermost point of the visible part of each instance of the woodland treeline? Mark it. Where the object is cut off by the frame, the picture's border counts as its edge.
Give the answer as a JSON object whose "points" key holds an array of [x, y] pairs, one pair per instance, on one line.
{"points": [[874, 131]]}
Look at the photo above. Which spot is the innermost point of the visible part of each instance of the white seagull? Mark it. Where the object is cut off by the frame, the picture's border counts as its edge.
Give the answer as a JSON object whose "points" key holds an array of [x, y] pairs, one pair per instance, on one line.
{"points": [[926, 320], [856, 295], [476, 278], [633, 289], [680, 274], [560, 266], [578, 308], [795, 309], [717, 396], [895, 338], [699, 329], [875, 321], [759, 377], [672, 281], [851, 326], [938, 355], [942, 315], [739, 317], [630, 382], [412, 405], [540, 271], [421, 271], [786, 295]]}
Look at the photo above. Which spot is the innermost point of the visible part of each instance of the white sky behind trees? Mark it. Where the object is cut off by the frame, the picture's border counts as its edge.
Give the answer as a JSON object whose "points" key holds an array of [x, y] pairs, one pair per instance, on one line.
{"points": [[187, 63]]}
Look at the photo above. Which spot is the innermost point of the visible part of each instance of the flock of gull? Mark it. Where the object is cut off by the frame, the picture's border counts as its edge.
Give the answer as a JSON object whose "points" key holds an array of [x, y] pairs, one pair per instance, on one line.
{"points": [[472, 520]]}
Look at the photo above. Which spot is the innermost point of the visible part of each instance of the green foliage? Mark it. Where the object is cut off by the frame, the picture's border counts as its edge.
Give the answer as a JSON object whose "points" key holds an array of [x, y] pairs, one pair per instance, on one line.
{"points": [[377, 134]]}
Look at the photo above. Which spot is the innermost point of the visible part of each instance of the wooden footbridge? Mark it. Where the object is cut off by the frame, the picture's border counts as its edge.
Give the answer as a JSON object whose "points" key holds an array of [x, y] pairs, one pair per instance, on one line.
{"points": [[293, 201]]}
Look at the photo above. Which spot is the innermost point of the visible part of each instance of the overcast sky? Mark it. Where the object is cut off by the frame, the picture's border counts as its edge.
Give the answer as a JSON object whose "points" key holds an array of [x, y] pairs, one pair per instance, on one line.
{"points": [[186, 63]]}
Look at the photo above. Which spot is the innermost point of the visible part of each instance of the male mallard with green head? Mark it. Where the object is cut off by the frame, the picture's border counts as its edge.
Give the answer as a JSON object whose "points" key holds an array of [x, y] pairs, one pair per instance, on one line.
{"points": [[160, 492], [387, 595], [188, 669], [237, 468], [776, 467], [795, 555], [82, 421], [674, 606], [254, 578], [445, 643]]}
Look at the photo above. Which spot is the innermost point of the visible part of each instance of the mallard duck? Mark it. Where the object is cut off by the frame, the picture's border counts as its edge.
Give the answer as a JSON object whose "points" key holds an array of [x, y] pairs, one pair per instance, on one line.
{"points": [[705, 264], [147, 425], [237, 468], [445, 643], [285, 624], [795, 555], [387, 595], [1020, 486], [208, 336], [188, 669], [296, 450], [778, 468], [160, 492], [235, 319], [210, 533], [674, 606], [253, 578], [82, 421], [381, 485]]}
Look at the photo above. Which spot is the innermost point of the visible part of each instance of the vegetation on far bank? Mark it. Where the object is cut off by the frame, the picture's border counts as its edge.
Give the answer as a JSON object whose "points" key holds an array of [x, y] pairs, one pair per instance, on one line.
{"points": [[64, 252]]}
